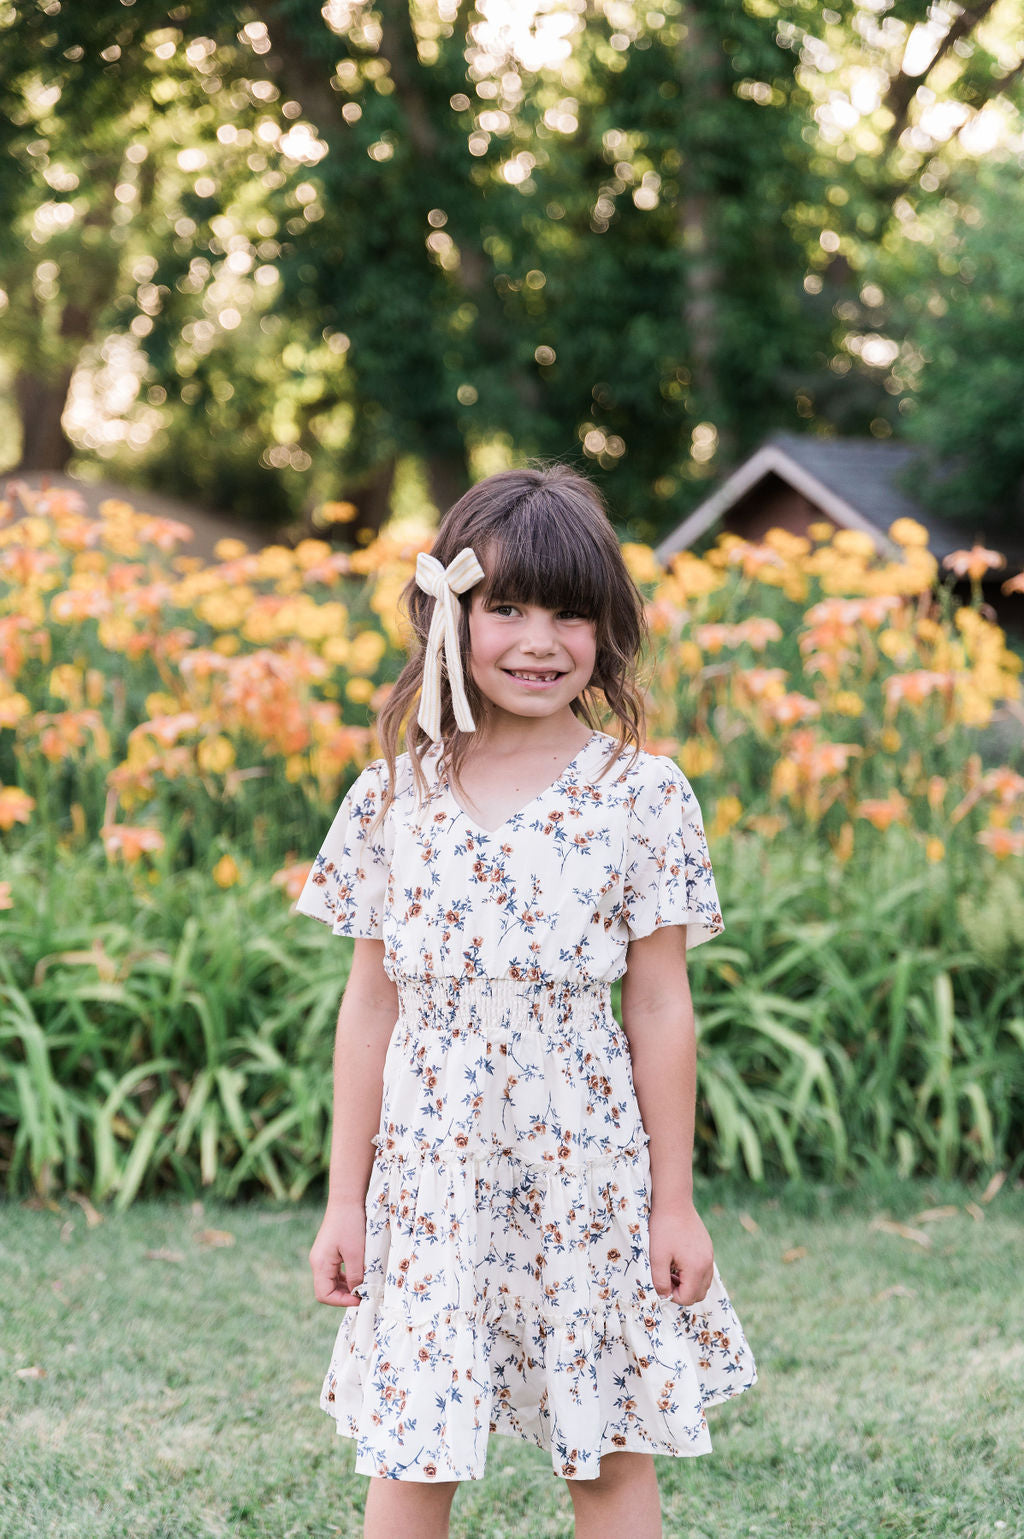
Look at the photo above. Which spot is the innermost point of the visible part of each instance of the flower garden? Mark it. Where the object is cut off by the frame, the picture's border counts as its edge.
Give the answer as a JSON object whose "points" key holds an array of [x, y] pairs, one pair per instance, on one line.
{"points": [[175, 736]]}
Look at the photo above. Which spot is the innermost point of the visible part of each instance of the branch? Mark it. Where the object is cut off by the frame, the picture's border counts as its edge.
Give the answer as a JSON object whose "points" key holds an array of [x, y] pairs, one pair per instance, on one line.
{"points": [[903, 88]]}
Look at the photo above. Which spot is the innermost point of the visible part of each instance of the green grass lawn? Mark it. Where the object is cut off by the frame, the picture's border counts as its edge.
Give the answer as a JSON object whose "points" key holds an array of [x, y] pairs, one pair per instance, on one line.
{"points": [[176, 1381]]}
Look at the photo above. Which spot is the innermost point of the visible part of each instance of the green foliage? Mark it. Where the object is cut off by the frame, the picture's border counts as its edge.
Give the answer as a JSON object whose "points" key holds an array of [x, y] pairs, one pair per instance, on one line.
{"points": [[174, 1036], [323, 247], [182, 1039], [961, 320]]}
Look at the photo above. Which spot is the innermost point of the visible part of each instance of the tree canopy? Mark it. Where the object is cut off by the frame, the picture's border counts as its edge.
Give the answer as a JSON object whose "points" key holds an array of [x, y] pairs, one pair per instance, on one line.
{"points": [[269, 256]]}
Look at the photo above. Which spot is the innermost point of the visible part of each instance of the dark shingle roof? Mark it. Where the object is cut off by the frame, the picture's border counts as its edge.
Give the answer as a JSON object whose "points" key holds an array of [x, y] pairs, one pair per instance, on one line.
{"points": [[862, 471], [866, 475]]}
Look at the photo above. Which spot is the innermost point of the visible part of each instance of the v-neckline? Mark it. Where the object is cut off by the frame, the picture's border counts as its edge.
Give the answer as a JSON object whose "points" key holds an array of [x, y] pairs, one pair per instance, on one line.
{"points": [[478, 828]]}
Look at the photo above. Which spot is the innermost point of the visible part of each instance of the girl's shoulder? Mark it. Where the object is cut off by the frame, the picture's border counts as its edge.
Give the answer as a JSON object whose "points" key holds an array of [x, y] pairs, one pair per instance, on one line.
{"points": [[374, 779], [637, 769]]}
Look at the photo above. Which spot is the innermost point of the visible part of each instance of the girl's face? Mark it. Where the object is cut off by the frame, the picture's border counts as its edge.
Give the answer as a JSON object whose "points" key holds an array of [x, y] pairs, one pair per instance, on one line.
{"points": [[515, 648]]}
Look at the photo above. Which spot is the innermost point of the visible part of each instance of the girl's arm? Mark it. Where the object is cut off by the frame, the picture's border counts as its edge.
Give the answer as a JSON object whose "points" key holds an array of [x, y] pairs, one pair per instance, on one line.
{"points": [[657, 1017], [366, 1019]]}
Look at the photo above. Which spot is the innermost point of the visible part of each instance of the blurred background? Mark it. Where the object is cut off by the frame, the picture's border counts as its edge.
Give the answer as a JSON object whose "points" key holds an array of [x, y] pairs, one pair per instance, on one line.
{"points": [[262, 256], [277, 283]]}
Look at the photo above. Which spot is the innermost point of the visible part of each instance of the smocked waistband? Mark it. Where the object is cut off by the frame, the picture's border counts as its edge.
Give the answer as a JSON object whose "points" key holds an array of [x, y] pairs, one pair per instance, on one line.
{"points": [[502, 1000], [504, 987]]}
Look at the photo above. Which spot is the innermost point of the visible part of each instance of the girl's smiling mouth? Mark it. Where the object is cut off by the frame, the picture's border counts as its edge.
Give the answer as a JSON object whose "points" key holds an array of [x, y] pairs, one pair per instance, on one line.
{"points": [[526, 676]]}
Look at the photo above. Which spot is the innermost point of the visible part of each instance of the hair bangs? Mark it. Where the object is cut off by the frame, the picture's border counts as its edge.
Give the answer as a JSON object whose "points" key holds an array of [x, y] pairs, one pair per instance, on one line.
{"points": [[541, 557]]}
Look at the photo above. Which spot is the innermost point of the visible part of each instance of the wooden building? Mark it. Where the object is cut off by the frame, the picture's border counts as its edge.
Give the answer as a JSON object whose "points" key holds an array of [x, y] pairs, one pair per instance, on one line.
{"points": [[795, 480]]}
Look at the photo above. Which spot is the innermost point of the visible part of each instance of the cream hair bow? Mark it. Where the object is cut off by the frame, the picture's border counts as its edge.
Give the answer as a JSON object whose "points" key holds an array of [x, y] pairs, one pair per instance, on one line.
{"points": [[444, 583]]}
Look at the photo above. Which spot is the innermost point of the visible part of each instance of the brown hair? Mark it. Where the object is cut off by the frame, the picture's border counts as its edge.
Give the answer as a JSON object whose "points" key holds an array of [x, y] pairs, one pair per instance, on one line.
{"points": [[543, 537]]}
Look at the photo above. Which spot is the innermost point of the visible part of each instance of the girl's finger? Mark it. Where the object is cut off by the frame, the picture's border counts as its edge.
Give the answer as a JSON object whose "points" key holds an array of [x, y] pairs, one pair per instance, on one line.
{"points": [[690, 1288]]}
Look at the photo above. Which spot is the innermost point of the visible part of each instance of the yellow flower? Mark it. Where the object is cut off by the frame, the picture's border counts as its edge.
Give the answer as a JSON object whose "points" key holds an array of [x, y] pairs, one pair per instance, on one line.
{"points": [[384, 603], [896, 645], [66, 683], [890, 740], [12, 708], [935, 850], [95, 686], [311, 552], [727, 814], [821, 530], [116, 634], [227, 646], [366, 651], [847, 703], [975, 709], [161, 704], [295, 768], [225, 611], [908, 532], [854, 542], [789, 545], [215, 754], [692, 576], [785, 778], [230, 549], [15, 806], [769, 825], [641, 562], [691, 658], [336, 650], [315, 622], [359, 690], [844, 843], [225, 872], [336, 513], [696, 757], [274, 561]]}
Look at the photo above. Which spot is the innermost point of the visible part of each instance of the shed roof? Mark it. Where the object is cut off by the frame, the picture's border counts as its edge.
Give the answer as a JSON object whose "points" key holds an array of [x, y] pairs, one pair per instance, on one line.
{"points": [[854, 481]]}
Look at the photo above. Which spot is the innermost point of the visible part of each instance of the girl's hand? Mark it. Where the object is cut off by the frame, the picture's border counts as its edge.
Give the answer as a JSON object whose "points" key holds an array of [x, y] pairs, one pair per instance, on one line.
{"points": [[337, 1255], [682, 1256]]}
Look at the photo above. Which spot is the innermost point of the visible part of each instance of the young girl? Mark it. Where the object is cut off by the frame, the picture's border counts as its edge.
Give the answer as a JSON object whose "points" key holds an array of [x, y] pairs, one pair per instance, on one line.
{"points": [[510, 1214]]}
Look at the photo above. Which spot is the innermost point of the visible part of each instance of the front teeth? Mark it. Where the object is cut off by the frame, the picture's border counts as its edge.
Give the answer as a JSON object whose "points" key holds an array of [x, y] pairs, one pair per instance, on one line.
{"points": [[546, 677]]}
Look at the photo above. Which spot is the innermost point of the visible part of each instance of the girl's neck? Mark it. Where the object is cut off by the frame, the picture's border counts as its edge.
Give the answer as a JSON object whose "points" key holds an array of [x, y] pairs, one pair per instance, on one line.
{"points": [[504, 734]]}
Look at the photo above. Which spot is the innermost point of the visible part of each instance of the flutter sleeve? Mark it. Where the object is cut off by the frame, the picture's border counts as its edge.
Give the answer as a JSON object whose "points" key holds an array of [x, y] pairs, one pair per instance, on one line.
{"points": [[668, 875], [347, 885]]}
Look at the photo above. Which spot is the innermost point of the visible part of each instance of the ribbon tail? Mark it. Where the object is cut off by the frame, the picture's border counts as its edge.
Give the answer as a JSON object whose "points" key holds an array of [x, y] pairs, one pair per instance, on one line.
{"points": [[430, 688], [453, 661]]}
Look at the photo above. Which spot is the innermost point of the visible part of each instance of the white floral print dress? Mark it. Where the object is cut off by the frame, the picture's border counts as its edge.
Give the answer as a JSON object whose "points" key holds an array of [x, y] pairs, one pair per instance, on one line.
{"points": [[507, 1277]]}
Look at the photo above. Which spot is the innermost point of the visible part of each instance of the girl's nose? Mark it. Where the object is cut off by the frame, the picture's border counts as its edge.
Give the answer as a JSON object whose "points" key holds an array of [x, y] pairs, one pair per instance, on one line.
{"points": [[539, 634]]}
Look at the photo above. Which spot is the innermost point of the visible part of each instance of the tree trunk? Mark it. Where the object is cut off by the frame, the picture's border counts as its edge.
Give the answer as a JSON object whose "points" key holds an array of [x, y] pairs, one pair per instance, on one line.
{"points": [[373, 499], [41, 402], [448, 478], [700, 73]]}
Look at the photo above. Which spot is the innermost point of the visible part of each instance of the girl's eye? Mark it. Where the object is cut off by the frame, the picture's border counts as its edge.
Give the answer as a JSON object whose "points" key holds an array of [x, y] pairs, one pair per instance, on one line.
{"points": [[572, 613]]}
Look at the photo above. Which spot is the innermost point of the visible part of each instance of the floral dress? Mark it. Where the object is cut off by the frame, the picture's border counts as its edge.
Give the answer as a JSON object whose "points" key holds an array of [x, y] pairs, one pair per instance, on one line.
{"points": [[507, 1281]]}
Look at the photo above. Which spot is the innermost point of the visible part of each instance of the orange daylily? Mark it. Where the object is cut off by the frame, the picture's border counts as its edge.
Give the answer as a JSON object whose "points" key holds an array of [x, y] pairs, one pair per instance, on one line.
{"points": [[973, 563], [131, 843]]}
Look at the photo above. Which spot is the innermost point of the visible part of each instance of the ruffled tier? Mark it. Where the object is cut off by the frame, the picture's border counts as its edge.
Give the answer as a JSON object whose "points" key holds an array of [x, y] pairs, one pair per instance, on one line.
{"points": [[421, 1395]]}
